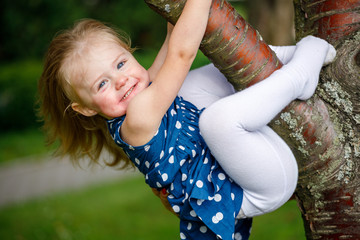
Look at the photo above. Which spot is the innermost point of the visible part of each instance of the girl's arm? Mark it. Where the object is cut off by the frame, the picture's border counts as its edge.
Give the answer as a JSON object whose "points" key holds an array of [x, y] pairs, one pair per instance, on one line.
{"points": [[160, 58], [145, 111]]}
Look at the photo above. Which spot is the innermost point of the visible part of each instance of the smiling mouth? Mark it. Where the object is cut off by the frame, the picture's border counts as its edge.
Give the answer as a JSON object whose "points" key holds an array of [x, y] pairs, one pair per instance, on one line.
{"points": [[128, 93]]}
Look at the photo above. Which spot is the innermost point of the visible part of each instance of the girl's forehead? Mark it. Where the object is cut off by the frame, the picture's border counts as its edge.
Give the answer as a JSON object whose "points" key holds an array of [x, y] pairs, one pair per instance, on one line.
{"points": [[103, 46]]}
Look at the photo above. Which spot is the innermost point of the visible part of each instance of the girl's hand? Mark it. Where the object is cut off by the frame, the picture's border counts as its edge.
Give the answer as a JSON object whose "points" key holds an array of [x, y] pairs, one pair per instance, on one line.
{"points": [[163, 197]]}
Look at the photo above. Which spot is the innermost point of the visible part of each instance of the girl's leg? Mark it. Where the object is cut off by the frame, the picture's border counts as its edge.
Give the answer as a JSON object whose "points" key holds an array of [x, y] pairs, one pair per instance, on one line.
{"points": [[204, 86], [253, 155], [284, 53]]}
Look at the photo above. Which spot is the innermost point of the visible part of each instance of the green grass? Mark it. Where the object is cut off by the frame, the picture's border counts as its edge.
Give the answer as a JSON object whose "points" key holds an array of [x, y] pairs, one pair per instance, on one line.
{"points": [[283, 224], [22, 145], [125, 210]]}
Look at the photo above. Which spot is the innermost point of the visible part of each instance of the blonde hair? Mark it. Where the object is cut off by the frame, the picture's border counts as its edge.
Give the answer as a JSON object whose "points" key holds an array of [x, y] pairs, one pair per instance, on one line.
{"points": [[79, 135]]}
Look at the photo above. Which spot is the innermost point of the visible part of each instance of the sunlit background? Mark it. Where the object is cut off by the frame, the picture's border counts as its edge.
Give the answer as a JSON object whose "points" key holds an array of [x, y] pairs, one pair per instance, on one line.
{"points": [[118, 208]]}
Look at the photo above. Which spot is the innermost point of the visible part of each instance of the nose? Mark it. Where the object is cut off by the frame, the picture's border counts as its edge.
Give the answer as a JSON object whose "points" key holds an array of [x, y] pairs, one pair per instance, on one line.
{"points": [[120, 81]]}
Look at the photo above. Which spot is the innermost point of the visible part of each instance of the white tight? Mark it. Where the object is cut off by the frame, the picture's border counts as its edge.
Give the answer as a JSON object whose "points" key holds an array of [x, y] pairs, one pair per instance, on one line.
{"points": [[234, 125]]}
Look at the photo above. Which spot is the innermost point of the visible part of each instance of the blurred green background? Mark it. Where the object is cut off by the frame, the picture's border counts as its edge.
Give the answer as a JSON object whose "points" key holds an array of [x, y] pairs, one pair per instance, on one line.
{"points": [[119, 210]]}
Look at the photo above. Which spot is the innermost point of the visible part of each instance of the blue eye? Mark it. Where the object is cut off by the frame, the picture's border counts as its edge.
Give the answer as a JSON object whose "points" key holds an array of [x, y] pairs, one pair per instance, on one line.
{"points": [[120, 64], [101, 84]]}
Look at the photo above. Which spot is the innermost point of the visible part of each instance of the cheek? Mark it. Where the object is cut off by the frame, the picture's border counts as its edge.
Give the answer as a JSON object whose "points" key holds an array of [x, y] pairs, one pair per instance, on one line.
{"points": [[102, 102]]}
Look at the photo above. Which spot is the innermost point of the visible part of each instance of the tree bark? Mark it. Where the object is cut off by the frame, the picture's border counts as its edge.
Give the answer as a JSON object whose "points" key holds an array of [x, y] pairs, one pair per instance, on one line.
{"points": [[323, 132], [329, 185]]}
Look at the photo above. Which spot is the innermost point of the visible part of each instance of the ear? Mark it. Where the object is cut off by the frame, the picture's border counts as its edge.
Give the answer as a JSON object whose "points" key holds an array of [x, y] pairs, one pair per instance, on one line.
{"points": [[83, 110]]}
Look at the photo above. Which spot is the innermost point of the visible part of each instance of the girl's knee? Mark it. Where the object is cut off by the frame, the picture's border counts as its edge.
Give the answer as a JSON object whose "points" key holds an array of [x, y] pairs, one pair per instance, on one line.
{"points": [[208, 122]]}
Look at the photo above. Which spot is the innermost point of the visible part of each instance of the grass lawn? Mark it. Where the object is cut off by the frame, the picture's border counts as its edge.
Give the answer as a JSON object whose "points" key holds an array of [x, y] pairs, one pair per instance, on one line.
{"points": [[22, 144], [125, 210]]}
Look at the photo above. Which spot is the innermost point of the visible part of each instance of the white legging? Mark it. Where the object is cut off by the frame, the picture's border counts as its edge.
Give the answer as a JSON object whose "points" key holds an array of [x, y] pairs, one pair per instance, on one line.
{"points": [[261, 180], [234, 125]]}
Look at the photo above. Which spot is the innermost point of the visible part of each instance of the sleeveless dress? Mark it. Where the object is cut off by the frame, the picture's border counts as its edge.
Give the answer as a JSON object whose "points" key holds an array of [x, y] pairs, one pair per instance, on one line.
{"points": [[177, 159]]}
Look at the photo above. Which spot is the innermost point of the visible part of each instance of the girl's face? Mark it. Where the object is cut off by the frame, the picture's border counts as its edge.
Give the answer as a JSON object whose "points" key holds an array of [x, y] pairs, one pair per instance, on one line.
{"points": [[110, 78]]}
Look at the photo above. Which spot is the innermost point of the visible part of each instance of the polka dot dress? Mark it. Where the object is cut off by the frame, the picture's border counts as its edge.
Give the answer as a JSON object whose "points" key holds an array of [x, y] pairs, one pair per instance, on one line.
{"points": [[177, 159]]}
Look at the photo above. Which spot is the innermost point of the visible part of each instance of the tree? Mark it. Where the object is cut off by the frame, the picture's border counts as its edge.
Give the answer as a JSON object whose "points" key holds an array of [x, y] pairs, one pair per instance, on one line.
{"points": [[323, 132]]}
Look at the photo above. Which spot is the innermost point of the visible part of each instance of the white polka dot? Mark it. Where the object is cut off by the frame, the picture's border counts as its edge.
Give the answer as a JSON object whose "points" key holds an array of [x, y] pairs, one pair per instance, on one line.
{"points": [[191, 181], [172, 186], [165, 134], [202, 152], [191, 128], [137, 161], [221, 176], [147, 164], [157, 164], [176, 208], [173, 112], [193, 152], [182, 162], [218, 217], [183, 177], [170, 149], [171, 159], [182, 236], [178, 125], [232, 196], [199, 184], [203, 229], [238, 236], [193, 213], [164, 176], [209, 178], [171, 196], [189, 226], [199, 202], [158, 185], [131, 147], [161, 154], [182, 147], [206, 160], [217, 197], [146, 148], [146, 177]]}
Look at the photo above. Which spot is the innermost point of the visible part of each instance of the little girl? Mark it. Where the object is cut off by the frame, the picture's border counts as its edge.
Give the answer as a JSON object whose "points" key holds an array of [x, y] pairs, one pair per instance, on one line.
{"points": [[92, 82]]}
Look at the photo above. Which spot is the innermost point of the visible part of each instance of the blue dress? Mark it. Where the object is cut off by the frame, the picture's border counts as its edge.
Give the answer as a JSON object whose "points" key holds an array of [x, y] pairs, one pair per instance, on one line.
{"points": [[177, 159]]}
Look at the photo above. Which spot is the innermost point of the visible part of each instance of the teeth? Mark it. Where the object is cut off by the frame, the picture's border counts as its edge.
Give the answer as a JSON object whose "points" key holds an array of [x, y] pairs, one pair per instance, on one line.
{"points": [[128, 93]]}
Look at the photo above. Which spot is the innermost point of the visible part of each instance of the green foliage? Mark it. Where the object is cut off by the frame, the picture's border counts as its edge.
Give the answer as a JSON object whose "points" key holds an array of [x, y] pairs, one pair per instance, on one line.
{"points": [[29, 25], [18, 86], [125, 210]]}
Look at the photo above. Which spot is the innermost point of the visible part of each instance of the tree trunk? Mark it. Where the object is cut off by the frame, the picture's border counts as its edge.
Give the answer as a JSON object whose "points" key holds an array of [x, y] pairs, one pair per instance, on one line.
{"points": [[323, 132], [329, 185]]}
